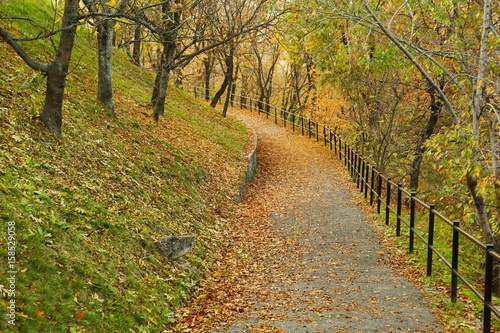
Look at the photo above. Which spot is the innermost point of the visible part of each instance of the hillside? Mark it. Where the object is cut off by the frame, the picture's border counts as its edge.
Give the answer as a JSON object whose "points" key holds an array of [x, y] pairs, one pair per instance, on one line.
{"points": [[88, 208]]}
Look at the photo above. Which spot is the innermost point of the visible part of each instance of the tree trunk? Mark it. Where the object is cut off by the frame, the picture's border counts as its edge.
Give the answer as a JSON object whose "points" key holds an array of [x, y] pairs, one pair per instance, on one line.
{"points": [[105, 32], [178, 77], [233, 86], [172, 21], [105, 42], [207, 71], [228, 77], [228, 98], [136, 51], [229, 74], [435, 108], [483, 220], [220, 92], [58, 70], [479, 109], [161, 94], [156, 86], [162, 78]]}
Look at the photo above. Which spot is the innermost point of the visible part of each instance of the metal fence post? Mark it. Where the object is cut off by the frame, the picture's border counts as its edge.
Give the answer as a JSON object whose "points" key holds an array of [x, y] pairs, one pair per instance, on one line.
{"points": [[349, 160], [372, 184], [324, 134], [334, 137], [379, 192], [367, 175], [430, 239], [352, 161], [454, 262], [398, 210], [412, 221], [275, 115], [317, 133], [388, 202], [293, 122], [358, 170], [362, 174], [302, 124], [340, 148], [345, 153], [309, 127]]}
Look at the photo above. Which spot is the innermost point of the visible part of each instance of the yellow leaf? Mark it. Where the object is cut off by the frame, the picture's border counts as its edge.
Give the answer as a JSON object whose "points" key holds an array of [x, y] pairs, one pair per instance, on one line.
{"points": [[151, 319], [21, 314]]}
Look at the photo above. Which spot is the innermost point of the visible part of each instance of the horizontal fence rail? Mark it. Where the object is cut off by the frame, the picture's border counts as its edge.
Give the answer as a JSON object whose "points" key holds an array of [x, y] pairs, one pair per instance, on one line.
{"points": [[379, 189]]}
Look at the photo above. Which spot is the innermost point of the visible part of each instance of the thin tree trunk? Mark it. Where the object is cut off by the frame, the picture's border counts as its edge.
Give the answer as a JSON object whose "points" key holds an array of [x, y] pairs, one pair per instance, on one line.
{"points": [[105, 32], [228, 79], [492, 237], [228, 98], [233, 86], [161, 97], [220, 92], [207, 68], [162, 78], [172, 22], [105, 39], [136, 50], [156, 86], [435, 108]]}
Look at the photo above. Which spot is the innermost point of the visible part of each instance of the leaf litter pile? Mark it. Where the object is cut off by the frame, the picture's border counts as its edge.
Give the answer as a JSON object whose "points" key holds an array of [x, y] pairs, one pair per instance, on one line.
{"points": [[299, 255]]}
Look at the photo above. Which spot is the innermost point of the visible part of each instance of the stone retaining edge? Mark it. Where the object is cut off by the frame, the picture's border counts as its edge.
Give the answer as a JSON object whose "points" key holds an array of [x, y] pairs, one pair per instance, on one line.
{"points": [[252, 162]]}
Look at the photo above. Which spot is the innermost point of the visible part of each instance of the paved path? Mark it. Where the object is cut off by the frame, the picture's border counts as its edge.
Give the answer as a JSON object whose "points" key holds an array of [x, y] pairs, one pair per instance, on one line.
{"points": [[332, 277]]}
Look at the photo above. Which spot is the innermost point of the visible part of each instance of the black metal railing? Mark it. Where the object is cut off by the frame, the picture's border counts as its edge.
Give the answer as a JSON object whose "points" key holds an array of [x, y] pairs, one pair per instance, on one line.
{"points": [[378, 189]]}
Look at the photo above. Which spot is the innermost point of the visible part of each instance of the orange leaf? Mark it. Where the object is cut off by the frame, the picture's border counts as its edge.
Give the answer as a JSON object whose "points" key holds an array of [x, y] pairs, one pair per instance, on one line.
{"points": [[39, 313], [79, 314]]}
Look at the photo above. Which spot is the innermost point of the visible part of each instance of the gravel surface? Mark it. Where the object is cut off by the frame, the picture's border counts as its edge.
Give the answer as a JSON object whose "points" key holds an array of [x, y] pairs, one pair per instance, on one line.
{"points": [[321, 267]]}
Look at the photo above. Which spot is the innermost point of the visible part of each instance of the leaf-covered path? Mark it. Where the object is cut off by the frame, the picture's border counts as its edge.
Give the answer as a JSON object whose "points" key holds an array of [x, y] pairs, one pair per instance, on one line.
{"points": [[300, 256]]}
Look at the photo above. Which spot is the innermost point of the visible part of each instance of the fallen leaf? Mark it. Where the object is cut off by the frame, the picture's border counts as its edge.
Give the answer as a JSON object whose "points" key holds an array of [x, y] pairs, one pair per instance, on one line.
{"points": [[79, 314]]}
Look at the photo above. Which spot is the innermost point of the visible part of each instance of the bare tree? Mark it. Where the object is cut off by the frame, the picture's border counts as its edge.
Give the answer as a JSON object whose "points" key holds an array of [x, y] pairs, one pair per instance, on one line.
{"points": [[208, 26], [266, 55], [228, 78]]}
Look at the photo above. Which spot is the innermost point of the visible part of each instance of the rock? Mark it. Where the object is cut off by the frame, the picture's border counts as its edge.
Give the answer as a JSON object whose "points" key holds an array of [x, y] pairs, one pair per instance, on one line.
{"points": [[174, 247]]}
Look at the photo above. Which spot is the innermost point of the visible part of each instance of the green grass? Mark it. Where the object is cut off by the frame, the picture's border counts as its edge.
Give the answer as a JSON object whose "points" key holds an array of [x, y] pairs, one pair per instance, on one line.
{"points": [[89, 207]]}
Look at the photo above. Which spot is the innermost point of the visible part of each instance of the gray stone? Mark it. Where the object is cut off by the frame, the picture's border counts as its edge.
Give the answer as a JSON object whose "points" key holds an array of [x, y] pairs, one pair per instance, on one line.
{"points": [[174, 247]]}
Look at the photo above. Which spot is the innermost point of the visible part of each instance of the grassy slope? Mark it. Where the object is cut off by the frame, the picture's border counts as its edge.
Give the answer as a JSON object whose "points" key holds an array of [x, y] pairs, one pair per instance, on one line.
{"points": [[88, 207]]}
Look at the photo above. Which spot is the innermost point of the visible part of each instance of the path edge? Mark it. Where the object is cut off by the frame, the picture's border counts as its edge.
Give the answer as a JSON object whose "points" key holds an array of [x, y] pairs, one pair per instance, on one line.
{"points": [[252, 161]]}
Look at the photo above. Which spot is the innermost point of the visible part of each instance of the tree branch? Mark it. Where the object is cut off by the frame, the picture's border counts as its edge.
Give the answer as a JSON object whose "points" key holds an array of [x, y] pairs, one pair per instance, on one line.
{"points": [[38, 66], [426, 75]]}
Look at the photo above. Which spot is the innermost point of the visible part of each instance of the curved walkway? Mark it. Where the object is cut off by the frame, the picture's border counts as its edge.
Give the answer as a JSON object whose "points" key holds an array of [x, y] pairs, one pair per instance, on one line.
{"points": [[301, 256]]}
